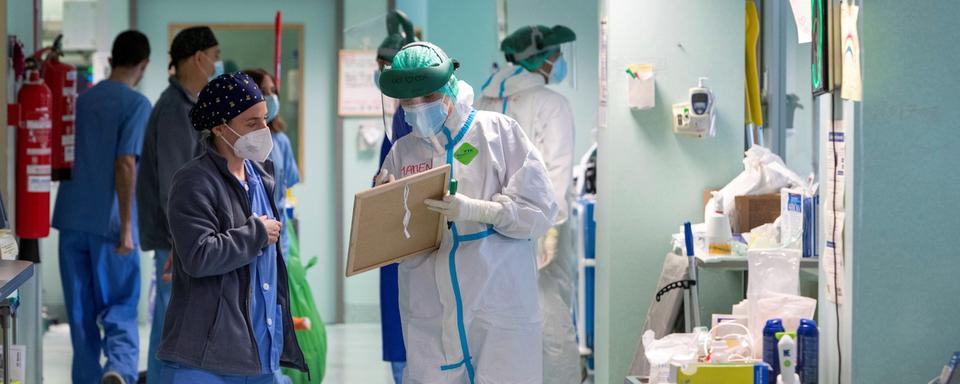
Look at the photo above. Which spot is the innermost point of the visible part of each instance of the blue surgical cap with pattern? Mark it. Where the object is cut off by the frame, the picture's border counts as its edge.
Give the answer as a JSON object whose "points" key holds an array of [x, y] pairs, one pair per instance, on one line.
{"points": [[223, 98]]}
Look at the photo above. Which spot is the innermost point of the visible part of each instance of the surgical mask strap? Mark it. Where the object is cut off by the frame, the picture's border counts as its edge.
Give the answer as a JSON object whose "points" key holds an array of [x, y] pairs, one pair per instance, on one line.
{"points": [[225, 140], [213, 63]]}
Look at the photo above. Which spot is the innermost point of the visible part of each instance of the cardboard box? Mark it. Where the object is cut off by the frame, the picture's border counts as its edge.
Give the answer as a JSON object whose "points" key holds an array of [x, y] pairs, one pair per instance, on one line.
{"points": [[754, 211]]}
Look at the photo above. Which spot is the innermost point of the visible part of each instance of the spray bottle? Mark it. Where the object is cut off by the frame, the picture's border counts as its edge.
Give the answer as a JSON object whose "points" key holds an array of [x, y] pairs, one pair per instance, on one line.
{"points": [[807, 351], [718, 228]]}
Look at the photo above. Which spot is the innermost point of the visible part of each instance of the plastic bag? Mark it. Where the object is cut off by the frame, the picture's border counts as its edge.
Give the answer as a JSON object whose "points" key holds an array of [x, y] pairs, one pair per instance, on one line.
{"points": [[763, 172], [789, 308], [313, 342], [673, 349], [773, 271], [772, 290]]}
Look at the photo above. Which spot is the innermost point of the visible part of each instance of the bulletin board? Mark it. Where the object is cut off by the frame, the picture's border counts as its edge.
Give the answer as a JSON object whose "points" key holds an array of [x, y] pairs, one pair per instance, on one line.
{"points": [[357, 95], [378, 233]]}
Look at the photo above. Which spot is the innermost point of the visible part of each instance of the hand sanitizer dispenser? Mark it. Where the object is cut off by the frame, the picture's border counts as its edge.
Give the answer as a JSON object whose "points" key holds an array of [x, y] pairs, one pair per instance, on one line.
{"points": [[696, 115]]}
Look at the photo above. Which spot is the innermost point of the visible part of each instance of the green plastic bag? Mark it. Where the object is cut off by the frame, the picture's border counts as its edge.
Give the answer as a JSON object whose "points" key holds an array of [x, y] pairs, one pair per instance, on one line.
{"points": [[314, 341]]}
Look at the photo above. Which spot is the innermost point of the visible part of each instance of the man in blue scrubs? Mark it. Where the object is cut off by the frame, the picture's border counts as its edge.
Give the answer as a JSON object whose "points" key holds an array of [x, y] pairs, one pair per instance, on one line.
{"points": [[96, 216]]}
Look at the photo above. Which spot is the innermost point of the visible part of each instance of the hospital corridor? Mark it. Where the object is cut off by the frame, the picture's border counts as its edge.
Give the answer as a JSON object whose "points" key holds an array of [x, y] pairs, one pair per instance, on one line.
{"points": [[479, 192]]}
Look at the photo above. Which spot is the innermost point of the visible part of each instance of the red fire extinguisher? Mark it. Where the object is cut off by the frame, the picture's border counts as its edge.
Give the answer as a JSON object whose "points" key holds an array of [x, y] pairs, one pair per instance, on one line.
{"points": [[32, 116], [61, 78]]}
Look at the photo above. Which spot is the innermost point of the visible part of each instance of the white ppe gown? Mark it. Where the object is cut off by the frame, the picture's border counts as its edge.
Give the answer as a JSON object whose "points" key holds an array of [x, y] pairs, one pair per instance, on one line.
{"points": [[547, 118], [469, 310]]}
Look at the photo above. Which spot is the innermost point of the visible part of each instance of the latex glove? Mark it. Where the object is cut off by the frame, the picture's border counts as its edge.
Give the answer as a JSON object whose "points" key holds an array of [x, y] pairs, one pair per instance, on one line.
{"points": [[462, 208], [547, 248], [383, 177]]}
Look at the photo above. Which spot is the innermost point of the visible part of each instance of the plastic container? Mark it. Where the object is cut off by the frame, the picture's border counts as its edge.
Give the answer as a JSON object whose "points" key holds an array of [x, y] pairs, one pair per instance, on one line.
{"points": [[719, 234], [770, 352], [808, 347]]}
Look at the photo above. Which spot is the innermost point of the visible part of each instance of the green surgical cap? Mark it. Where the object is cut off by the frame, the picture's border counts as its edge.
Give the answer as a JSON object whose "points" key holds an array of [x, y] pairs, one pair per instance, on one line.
{"points": [[531, 46], [424, 56]]}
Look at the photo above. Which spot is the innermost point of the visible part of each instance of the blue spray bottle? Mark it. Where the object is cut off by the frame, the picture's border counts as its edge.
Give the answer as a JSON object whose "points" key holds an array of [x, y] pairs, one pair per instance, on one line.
{"points": [[808, 339], [770, 351]]}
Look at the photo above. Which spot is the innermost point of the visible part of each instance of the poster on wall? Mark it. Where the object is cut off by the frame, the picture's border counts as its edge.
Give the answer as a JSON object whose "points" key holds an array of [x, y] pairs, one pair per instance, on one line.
{"points": [[834, 259], [801, 16], [851, 88], [358, 95], [602, 98]]}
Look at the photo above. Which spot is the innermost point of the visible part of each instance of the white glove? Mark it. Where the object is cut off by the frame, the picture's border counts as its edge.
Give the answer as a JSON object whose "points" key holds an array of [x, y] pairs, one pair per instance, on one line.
{"points": [[547, 248], [462, 208], [383, 177]]}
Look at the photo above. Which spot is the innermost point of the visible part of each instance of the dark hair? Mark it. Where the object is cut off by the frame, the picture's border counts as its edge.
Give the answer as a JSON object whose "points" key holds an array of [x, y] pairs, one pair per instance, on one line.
{"points": [[258, 75], [129, 49]]}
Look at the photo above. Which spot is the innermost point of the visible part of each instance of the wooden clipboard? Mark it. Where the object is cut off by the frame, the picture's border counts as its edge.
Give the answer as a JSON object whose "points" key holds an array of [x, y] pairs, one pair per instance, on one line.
{"points": [[377, 236]]}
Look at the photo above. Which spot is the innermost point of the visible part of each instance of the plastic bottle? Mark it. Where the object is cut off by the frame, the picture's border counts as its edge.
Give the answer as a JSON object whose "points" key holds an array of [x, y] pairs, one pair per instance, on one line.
{"points": [[787, 352], [770, 352], [718, 228], [808, 348]]}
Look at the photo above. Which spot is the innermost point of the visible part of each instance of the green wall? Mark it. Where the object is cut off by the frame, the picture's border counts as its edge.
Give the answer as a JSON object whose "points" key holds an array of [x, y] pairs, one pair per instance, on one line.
{"points": [[467, 31], [651, 180], [905, 266], [316, 194], [361, 293]]}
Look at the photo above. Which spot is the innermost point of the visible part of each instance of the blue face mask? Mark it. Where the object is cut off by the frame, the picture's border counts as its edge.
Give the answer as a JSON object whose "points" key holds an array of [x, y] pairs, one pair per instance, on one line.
{"points": [[217, 69], [559, 71], [273, 107], [426, 119]]}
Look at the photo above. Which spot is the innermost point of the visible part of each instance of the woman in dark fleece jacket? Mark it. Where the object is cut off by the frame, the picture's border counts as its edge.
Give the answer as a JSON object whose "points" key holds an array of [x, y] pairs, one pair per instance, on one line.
{"points": [[229, 316]]}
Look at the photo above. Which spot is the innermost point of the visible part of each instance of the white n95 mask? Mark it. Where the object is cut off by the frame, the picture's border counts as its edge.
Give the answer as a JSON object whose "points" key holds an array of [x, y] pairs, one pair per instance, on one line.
{"points": [[254, 146]]}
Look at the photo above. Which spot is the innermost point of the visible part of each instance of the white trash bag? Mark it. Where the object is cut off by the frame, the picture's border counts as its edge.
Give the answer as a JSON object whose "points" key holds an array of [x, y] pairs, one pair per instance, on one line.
{"points": [[763, 172]]}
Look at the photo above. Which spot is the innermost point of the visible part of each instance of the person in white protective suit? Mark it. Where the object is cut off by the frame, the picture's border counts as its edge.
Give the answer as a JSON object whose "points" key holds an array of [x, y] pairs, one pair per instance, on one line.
{"points": [[469, 310], [519, 90]]}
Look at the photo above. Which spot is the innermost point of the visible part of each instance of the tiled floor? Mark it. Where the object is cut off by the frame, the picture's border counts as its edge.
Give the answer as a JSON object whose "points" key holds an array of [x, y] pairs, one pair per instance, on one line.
{"points": [[353, 354]]}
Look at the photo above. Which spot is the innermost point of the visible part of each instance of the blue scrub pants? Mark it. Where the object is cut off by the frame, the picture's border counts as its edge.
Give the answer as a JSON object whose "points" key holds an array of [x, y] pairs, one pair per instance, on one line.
{"points": [[397, 367], [100, 289], [160, 301], [177, 374]]}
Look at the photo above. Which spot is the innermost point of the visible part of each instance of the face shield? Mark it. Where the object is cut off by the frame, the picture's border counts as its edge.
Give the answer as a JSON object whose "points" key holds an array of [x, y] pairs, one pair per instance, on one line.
{"points": [[383, 36], [568, 53], [549, 51], [388, 104]]}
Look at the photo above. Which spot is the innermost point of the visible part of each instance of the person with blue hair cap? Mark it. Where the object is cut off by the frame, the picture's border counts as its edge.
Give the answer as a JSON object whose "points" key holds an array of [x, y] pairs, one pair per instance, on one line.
{"points": [[469, 309], [229, 318]]}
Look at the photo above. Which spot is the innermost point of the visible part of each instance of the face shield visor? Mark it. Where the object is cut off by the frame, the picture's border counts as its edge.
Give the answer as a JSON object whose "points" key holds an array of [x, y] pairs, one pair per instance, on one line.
{"points": [[549, 51], [568, 54], [388, 105], [382, 36]]}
